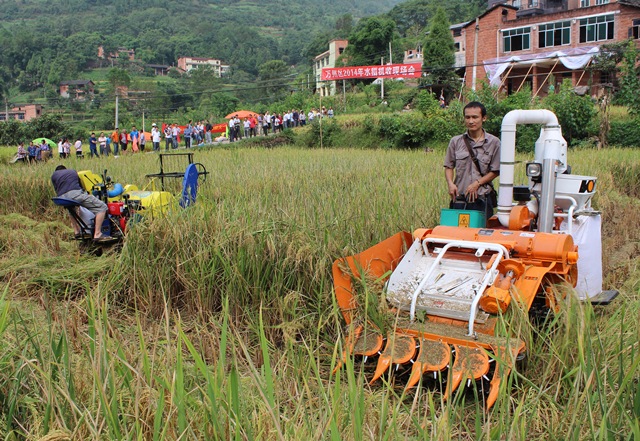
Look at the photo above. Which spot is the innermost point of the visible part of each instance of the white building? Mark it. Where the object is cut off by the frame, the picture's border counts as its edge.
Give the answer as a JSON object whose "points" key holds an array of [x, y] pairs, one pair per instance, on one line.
{"points": [[328, 60]]}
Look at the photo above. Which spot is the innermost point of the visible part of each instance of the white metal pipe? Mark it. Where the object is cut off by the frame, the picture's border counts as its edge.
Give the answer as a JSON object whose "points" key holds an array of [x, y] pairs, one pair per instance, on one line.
{"points": [[508, 153], [487, 245], [500, 249], [547, 204], [476, 299]]}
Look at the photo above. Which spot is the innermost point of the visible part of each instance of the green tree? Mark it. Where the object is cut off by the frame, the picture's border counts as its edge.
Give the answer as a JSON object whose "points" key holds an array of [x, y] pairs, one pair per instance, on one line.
{"points": [[344, 26], [439, 49], [629, 84], [370, 39], [118, 77], [273, 72]]}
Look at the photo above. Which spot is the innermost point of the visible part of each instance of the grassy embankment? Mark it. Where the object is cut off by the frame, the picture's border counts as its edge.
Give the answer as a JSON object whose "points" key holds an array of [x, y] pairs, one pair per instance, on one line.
{"points": [[218, 322]]}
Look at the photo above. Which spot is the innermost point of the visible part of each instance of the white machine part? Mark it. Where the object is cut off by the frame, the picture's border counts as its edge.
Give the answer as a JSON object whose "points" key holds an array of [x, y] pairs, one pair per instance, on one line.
{"points": [[87, 217], [444, 286], [559, 195], [586, 233]]}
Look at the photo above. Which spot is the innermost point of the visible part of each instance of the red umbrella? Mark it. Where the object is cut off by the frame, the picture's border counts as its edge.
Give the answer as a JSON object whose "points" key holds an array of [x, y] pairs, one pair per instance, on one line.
{"points": [[242, 114]]}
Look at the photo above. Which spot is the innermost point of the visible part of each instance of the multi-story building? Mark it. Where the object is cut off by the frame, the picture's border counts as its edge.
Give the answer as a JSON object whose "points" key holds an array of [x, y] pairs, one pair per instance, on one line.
{"points": [[328, 60], [187, 64], [543, 42], [22, 113]]}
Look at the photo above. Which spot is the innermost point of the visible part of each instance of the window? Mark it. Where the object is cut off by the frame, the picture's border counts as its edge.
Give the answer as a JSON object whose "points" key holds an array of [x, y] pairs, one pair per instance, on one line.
{"points": [[516, 39], [596, 28], [554, 34], [457, 47], [323, 61], [602, 2], [21, 116], [457, 32], [584, 3], [634, 31], [2, 117], [317, 65]]}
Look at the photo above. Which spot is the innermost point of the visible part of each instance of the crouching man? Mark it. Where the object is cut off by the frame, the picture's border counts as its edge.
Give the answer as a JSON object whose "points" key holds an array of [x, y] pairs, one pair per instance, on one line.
{"points": [[66, 183]]}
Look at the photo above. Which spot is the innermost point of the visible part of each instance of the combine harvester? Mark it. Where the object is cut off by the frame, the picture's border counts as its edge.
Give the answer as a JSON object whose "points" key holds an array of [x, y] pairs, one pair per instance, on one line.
{"points": [[448, 291]]}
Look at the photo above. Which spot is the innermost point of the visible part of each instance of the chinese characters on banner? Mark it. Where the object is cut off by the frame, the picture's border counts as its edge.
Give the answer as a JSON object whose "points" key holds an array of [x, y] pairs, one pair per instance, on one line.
{"points": [[390, 70]]}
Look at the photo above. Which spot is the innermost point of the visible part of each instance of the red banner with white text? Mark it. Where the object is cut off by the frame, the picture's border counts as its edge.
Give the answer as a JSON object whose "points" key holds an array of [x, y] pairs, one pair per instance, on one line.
{"points": [[389, 71]]}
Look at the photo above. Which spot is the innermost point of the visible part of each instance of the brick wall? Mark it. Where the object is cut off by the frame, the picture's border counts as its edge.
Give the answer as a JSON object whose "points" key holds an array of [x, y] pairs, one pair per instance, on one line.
{"points": [[490, 43]]}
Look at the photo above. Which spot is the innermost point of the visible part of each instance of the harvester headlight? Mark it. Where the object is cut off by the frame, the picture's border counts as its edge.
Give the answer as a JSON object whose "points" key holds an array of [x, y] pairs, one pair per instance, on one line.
{"points": [[534, 170]]}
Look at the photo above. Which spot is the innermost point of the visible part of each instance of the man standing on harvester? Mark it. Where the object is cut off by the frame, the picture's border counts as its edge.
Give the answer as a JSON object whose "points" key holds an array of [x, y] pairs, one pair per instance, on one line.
{"points": [[475, 155], [66, 183]]}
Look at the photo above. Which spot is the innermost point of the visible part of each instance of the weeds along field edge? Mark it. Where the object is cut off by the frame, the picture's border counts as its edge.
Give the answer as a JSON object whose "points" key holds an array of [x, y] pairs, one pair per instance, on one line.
{"points": [[219, 322]]}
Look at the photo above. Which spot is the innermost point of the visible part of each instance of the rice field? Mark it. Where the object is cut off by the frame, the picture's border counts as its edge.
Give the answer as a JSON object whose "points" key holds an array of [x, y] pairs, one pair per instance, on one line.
{"points": [[219, 322]]}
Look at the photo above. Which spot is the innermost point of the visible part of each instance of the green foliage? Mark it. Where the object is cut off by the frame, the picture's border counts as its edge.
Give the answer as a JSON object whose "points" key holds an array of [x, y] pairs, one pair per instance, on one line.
{"points": [[439, 48], [370, 39], [47, 126], [426, 102], [574, 112], [419, 13], [629, 83], [625, 133], [272, 74], [118, 77], [330, 130]]}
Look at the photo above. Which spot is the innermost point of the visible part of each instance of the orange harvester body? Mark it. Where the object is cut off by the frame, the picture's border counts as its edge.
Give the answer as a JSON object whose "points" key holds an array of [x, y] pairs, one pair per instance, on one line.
{"points": [[527, 265]]}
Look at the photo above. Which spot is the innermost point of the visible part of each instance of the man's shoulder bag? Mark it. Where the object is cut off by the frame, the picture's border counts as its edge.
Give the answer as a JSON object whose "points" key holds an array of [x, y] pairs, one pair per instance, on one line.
{"points": [[492, 196]]}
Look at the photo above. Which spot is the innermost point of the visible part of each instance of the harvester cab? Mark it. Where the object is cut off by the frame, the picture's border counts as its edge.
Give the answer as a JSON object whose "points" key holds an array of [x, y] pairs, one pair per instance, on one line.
{"points": [[447, 288]]}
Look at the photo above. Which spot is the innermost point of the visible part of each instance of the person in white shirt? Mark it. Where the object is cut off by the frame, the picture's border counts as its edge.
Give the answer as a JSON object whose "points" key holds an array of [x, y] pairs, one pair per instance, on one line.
{"points": [[175, 131], [247, 127], [302, 118], [155, 137], [103, 144], [312, 115], [61, 149], [78, 147], [142, 140], [232, 130], [168, 137]]}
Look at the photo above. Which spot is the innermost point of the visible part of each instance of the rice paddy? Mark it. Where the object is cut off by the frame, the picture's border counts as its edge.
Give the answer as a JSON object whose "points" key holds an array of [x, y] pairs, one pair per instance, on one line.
{"points": [[219, 322]]}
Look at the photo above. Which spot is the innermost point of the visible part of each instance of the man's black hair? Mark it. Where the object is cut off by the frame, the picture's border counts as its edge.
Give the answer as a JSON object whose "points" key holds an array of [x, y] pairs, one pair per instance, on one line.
{"points": [[61, 167], [476, 105]]}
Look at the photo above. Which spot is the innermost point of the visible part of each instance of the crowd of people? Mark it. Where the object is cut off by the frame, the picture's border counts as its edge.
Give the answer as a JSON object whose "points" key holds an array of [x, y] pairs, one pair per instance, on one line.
{"points": [[263, 123], [122, 142]]}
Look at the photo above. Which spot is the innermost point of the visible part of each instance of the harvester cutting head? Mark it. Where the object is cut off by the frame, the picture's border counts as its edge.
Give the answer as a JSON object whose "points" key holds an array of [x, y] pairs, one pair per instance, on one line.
{"points": [[448, 289]]}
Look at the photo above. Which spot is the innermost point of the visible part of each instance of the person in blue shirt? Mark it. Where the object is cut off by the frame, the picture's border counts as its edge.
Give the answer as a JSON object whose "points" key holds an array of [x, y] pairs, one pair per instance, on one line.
{"points": [[134, 134], [187, 135], [93, 145], [31, 150]]}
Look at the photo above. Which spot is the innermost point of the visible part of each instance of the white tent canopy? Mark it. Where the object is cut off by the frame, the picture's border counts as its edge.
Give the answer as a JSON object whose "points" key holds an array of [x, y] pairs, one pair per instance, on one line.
{"points": [[573, 58]]}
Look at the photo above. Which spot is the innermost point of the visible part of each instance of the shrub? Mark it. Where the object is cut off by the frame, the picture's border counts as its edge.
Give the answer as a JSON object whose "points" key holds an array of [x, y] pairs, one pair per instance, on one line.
{"points": [[625, 133], [574, 112]]}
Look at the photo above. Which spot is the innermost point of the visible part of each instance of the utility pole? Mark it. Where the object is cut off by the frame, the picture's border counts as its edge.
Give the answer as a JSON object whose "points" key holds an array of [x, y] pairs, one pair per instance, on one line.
{"points": [[6, 109], [475, 55], [382, 81], [117, 107], [344, 96], [143, 120], [390, 55]]}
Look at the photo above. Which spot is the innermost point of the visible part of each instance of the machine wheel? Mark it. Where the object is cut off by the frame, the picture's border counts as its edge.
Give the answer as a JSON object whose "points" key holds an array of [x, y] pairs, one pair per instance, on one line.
{"points": [[202, 173]]}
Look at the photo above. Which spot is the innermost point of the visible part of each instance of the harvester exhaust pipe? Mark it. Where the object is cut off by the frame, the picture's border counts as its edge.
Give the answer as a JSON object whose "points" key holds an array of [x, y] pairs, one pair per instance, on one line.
{"points": [[551, 154]]}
